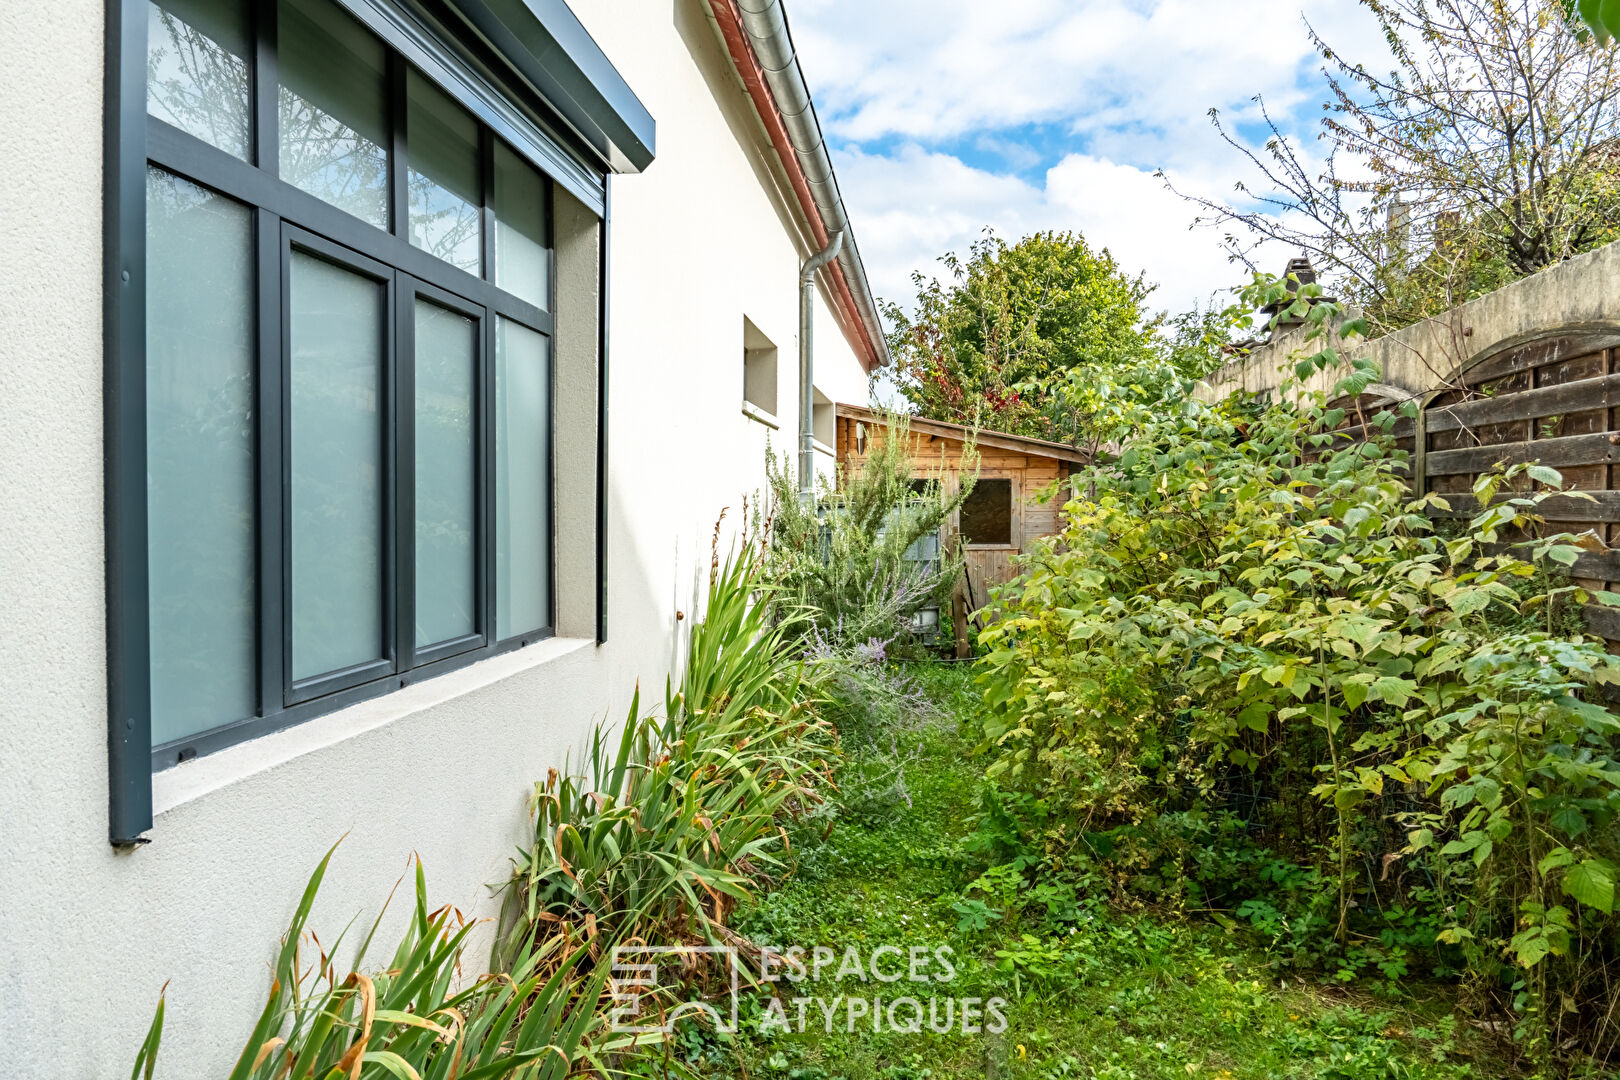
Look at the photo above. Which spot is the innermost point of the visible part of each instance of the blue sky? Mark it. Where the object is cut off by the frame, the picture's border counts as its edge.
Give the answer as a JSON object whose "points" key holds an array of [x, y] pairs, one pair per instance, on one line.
{"points": [[947, 116]]}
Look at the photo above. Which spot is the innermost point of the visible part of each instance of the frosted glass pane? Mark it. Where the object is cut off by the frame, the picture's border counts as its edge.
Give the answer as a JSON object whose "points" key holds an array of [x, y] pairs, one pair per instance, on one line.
{"points": [[333, 108], [199, 457], [522, 259], [446, 374], [336, 350], [441, 144], [522, 480], [197, 71]]}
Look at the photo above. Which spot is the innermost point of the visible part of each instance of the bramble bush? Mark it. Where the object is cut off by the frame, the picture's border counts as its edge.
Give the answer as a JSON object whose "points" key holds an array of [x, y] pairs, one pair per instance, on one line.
{"points": [[1251, 676]]}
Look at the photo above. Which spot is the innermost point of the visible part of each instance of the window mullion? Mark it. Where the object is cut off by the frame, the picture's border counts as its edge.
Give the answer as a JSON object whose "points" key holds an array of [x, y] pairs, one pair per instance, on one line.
{"points": [[403, 525], [486, 476], [392, 489], [266, 92], [398, 169], [271, 402], [486, 173], [282, 461], [485, 504]]}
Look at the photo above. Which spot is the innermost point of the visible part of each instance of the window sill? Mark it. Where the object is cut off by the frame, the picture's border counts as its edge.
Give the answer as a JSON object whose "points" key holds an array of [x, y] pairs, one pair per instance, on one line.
{"points": [[990, 547], [823, 448], [759, 415], [190, 780]]}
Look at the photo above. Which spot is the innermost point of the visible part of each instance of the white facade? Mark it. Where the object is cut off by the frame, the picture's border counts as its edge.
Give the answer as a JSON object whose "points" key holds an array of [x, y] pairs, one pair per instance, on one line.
{"points": [[703, 239]]}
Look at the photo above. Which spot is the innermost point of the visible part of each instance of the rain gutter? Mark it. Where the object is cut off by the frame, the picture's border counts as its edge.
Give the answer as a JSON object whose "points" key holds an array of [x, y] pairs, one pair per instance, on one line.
{"points": [[756, 35]]}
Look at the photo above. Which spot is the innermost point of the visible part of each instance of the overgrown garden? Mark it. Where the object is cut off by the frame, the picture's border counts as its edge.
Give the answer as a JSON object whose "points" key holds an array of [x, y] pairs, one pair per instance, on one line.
{"points": [[1258, 773], [1262, 768]]}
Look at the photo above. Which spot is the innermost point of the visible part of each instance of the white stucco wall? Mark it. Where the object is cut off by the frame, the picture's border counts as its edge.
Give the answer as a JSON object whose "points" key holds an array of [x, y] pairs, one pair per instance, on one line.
{"points": [[441, 768]]}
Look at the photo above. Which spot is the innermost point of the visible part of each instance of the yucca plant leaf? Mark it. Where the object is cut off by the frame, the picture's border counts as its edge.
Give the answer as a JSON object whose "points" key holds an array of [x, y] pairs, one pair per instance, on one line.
{"points": [[146, 1056]]}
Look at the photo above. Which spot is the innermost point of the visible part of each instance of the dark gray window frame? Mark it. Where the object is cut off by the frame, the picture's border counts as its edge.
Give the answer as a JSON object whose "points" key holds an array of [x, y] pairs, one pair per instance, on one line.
{"points": [[282, 215]]}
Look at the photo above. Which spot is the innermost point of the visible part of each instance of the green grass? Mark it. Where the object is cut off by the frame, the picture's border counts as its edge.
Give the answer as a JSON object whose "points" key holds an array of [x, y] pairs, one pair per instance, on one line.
{"points": [[1118, 995]]}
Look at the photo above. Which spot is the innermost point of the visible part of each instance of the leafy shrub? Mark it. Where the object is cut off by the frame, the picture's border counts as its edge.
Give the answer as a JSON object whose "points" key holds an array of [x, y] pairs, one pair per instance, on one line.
{"points": [[1244, 617], [843, 563], [545, 1019]]}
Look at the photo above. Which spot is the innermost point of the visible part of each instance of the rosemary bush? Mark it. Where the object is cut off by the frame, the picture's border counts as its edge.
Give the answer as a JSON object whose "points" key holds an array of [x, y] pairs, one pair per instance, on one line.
{"points": [[843, 562]]}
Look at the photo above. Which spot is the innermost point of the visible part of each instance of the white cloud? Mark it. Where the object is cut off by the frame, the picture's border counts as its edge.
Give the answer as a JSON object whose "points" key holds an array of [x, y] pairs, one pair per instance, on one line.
{"points": [[937, 69], [1145, 226], [908, 89], [916, 204]]}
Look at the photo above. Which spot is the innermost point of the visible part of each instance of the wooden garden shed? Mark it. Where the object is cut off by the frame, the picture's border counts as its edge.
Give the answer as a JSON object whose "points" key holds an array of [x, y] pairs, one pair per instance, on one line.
{"points": [[1003, 514]]}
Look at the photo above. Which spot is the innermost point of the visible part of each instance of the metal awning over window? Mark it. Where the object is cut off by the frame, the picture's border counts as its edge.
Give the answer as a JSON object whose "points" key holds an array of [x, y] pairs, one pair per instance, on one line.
{"points": [[529, 70]]}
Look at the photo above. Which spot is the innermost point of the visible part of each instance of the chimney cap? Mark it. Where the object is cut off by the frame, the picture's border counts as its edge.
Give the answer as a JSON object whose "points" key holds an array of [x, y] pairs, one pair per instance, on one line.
{"points": [[1300, 269]]}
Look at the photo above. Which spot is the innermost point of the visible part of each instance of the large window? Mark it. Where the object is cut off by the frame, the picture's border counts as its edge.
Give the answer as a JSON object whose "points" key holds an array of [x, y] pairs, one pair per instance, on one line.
{"points": [[348, 373]]}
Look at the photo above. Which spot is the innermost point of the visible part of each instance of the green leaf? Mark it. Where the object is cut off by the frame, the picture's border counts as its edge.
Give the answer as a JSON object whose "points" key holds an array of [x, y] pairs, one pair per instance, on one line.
{"points": [[1608, 20], [1531, 947], [1466, 601], [146, 1057], [1564, 553], [1556, 858], [1606, 598], [1569, 820], [1592, 883], [1394, 690], [1256, 717], [393, 1063], [1591, 14], [1544, 475]]}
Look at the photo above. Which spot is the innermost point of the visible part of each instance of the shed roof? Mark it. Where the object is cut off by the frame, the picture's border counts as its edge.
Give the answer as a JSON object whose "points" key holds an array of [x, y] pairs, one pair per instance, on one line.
{"points": [[1022, 444]]}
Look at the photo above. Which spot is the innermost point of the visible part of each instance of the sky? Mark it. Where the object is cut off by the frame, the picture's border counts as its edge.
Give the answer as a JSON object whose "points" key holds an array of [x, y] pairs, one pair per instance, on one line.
{"points": [[945, 117]]}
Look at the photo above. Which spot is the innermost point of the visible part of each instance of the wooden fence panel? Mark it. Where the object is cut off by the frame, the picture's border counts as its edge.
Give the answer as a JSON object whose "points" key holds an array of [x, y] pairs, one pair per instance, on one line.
{"points": [[1556, 401]]}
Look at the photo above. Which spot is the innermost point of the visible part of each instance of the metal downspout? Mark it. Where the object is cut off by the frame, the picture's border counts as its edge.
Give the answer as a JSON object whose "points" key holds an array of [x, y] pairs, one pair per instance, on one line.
{"points": [[765, 23], [807, 366]]}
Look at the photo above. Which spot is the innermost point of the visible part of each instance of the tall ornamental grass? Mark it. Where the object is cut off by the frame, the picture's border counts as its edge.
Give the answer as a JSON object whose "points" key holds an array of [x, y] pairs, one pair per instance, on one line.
{"points": [[679, 812], [415, 1019]]}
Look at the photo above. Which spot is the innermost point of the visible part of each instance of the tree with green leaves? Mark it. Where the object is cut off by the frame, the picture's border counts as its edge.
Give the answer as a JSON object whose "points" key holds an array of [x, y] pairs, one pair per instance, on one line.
{"points": [[1486, 152], [983, 347]]}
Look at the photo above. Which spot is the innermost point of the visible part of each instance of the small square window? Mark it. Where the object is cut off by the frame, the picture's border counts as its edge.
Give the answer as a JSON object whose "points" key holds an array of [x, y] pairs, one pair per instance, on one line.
{"points": [[823, 421], [759, 369], [987, 513]]}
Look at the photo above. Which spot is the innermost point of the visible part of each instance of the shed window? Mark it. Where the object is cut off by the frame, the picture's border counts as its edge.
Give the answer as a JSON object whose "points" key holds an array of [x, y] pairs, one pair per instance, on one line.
{"points": [[987, 513], [348, 406]]}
